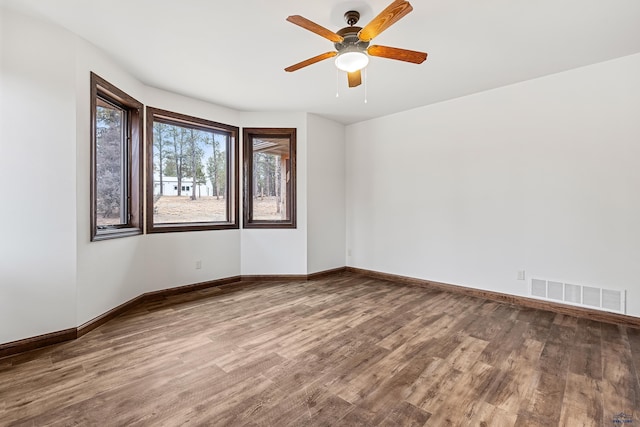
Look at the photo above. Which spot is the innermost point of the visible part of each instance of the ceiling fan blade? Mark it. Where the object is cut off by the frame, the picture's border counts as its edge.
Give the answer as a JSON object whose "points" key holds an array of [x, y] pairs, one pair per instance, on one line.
{"points": [[310, 61], [355, 78], [315, 28], [392, 14], [398, 54]]}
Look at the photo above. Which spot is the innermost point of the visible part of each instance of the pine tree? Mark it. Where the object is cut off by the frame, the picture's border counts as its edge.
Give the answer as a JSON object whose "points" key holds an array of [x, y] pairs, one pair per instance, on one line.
{"points": [[109, 161]]}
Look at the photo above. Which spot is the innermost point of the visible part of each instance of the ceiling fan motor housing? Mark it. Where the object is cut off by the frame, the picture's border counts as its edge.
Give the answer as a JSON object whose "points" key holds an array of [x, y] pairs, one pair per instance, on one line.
{"points": [[351, 42]]}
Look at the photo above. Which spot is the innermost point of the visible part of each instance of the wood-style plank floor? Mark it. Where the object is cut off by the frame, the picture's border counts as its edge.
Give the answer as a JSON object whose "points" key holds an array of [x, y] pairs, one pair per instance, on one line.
{"points": [[341, 351]]}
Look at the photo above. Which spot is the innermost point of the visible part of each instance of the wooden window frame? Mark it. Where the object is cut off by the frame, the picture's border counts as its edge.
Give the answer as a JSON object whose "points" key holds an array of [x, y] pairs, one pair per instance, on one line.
{"points": [[233, 180], [100, 88], [247, 138]]}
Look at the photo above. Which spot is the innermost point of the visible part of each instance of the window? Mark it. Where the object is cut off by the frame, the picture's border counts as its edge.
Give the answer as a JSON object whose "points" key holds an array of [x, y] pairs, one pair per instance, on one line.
{"points": [[192, 171], [269, 178], [116, 167]]}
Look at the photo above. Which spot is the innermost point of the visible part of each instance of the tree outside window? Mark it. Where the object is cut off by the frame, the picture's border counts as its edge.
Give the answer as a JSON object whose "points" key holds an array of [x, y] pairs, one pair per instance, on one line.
{"points": [[192, 165], [116, 144]]}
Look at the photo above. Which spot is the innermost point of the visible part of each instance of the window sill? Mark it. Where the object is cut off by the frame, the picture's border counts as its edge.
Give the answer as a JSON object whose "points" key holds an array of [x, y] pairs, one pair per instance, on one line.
{"points": [[115, 233], [194, 226]]}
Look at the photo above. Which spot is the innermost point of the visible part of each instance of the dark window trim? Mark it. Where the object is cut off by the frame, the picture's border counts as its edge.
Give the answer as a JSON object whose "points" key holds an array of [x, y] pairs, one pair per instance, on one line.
{"points": [[134, 125], [233, 180], [247, 136]]}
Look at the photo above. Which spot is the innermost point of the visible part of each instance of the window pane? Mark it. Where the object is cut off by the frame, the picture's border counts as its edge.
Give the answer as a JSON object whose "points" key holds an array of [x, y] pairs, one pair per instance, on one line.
{"points": [[116, 167], [270, 165], [110, 165], [270, 177], [189, 174]]}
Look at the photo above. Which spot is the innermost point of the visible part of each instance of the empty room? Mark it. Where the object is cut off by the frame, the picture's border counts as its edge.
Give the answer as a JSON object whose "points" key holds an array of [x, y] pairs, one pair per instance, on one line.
{"points": [[329, 213]]}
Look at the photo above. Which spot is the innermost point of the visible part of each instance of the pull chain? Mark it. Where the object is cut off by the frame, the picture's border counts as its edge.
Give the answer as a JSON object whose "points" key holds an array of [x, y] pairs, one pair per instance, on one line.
{"points": [[337, 83], [365, 85]]}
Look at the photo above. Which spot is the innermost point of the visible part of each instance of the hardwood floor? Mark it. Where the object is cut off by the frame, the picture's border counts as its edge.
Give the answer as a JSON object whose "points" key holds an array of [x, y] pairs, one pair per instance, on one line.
{"points": [[339, 351]]}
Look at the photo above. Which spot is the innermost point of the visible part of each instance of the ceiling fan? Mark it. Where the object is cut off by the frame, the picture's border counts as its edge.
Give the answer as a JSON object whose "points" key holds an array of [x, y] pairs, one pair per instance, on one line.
{"points": [[352, 43]]}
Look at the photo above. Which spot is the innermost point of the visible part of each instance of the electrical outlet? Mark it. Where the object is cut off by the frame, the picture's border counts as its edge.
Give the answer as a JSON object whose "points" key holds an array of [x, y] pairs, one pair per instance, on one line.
{"points": [[520, 274], [198, 264], [348, 252]]}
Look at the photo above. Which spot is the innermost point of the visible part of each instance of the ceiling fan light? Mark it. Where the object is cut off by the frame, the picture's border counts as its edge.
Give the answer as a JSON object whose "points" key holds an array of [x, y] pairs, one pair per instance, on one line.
{"points": [[352, 61]]}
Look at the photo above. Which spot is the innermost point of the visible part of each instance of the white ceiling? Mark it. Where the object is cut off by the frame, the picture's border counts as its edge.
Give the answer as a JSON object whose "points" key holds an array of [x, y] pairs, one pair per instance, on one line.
{"points": [[233, 53]]}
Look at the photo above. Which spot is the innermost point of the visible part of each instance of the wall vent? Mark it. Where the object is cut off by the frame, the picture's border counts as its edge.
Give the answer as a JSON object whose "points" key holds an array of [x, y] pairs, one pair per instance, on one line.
{"points": [[580, 295]]}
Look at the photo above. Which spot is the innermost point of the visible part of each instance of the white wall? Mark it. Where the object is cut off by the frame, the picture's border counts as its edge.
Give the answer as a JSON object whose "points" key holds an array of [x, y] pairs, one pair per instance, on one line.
{"points": [[326, 231], [37, 152], [540, 176], [280, 251]]}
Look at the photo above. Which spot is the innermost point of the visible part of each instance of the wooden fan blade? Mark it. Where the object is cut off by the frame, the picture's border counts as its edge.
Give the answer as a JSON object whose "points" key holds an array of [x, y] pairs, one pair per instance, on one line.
{"points": [[392, 14], [399, 54], [355, 78], [315, 28], [311, 61]]}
